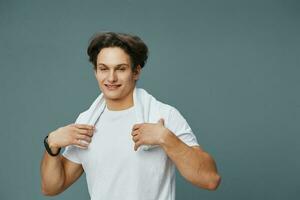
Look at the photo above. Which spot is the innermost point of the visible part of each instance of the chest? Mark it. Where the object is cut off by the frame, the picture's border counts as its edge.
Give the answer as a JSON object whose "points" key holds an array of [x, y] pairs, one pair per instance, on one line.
{"points": [[112, 151]]}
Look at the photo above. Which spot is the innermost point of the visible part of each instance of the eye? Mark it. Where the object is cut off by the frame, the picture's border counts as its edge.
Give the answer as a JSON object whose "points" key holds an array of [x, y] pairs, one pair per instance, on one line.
{"points": [[122, 69], [103, 69]]}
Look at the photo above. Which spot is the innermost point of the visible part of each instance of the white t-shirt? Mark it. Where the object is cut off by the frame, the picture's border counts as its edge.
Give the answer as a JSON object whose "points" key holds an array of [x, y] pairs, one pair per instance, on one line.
{"points": [[115, 171]]}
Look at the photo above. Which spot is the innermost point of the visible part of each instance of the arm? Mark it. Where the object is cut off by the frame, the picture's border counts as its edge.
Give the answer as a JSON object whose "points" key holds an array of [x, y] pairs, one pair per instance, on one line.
{"points": [[195, 165], [57, 172]]}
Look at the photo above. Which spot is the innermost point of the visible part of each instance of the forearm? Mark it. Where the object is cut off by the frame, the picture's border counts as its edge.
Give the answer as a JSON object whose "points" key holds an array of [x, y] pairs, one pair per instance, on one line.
{"points": [[52, 173], [195, 165]]}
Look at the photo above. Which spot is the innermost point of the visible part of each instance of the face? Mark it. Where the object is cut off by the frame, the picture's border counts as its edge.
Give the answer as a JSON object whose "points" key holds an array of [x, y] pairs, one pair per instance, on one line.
{"points": [[115, 77]]}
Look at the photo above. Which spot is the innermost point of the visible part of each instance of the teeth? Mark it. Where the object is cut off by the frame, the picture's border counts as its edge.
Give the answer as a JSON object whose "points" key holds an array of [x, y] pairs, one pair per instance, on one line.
{"points": [[112, 86]]}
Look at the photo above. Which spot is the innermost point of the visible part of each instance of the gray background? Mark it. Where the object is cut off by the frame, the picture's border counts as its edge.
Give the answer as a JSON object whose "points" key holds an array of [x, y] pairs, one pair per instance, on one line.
{"points": [[230, 67]]}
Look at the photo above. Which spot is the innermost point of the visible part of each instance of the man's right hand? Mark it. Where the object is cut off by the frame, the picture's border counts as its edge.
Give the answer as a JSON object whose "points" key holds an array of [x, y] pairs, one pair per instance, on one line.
{"points": [[73, 134]]}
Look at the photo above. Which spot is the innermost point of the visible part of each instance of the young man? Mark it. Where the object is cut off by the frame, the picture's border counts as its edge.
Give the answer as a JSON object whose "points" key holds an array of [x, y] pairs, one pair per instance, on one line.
{"points": [[128, 143]]}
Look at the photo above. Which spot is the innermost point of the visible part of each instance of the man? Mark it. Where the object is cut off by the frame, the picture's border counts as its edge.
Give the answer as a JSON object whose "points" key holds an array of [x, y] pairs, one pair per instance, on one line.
{"points": [[124, 159]]}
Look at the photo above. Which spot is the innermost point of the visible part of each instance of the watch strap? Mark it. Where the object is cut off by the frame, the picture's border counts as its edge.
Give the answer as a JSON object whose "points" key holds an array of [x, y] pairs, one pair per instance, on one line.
{"points": [[48, 149]]}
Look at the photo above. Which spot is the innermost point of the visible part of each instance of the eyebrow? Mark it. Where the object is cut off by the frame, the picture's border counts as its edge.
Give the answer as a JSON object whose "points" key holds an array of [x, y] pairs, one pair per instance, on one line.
{"points": [[116, 66]]}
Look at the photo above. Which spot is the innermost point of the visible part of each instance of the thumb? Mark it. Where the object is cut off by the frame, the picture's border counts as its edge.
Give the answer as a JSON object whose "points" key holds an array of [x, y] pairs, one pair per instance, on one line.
{"points": [[161, 121]]}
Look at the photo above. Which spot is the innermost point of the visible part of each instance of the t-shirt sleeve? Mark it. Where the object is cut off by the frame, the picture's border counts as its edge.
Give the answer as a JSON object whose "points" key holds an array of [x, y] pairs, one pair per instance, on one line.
{"points": [[179, 126], [71, 151]]}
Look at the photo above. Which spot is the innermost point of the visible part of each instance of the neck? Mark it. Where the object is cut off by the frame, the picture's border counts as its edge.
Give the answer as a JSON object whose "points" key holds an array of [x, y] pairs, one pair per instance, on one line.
{"points": [[122, 104]]}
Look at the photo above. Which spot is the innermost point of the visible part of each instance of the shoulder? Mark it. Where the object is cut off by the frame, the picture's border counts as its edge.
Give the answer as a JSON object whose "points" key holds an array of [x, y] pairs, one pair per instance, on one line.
{"points": [[173, 118], [165, 109], [171, 115]]}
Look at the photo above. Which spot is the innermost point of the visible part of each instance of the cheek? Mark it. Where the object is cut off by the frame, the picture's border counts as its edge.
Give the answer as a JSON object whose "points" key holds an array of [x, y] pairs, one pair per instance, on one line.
{"points": [[126, 77], [100, 77]]}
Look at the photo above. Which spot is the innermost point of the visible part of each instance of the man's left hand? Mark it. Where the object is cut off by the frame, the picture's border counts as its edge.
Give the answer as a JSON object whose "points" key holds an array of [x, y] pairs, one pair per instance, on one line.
{"points": [[148, 133]]}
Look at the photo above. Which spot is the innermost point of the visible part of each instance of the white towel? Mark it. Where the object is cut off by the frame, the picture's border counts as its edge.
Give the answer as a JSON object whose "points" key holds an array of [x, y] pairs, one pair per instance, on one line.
{"points": [[146, 107]]}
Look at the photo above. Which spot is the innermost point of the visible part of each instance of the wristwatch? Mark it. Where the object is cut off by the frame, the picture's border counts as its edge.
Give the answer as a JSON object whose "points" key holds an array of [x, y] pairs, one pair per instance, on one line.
{"points": [[48, 148]]}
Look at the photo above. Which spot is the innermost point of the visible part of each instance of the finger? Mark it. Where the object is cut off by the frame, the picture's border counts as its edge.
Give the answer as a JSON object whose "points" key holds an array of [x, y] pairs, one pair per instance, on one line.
{"points": [[134, 133], [81, 143], [85, 132], [135, 139], [81, 147], [136, 146], [161, 121], [84, 137], [136, 126], [84, 126]]}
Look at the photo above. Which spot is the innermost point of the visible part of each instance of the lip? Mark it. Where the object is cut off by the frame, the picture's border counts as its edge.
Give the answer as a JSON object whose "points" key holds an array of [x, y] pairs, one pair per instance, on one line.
{"points": [[111, 87]]}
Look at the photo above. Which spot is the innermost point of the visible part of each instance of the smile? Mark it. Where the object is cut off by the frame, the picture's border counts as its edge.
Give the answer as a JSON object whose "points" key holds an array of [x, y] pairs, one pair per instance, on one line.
{"points": [[112, 87]]}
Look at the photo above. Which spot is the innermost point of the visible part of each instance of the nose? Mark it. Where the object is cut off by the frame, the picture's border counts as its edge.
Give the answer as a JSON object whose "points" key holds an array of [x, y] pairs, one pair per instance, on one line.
{"points": [[112, 77]]}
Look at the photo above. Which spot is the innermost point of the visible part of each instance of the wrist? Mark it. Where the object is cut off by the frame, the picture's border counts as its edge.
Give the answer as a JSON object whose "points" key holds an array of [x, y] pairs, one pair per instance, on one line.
{"points": [[50, 141], [52, 150], [166, 134]]}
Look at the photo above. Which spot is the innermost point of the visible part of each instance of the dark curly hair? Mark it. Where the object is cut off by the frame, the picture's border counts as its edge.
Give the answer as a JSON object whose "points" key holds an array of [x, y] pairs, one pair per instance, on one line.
{"points": [[131, 44]]}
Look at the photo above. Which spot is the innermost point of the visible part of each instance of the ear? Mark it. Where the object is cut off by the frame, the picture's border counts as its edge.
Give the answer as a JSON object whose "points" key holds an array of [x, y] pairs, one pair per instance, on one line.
{"points": [[137, 72]]}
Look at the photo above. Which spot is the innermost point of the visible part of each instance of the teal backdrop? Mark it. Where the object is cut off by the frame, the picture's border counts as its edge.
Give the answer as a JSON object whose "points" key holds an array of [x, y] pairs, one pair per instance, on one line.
{"points": [[230, 67]]}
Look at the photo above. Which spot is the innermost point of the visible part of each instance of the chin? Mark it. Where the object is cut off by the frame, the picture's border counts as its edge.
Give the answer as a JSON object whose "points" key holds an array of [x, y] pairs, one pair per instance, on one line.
{"points": [[110, 94]]}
